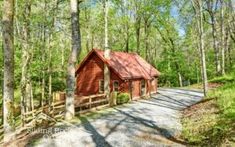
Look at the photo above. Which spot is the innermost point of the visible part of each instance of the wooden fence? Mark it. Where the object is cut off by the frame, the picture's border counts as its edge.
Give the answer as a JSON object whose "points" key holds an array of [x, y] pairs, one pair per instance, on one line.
{"points": [[56, 109], [87, 103]]}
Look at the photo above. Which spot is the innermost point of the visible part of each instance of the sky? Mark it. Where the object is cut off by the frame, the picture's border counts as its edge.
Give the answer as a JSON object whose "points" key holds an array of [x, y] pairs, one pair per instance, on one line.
{"points": [[175, 13]]}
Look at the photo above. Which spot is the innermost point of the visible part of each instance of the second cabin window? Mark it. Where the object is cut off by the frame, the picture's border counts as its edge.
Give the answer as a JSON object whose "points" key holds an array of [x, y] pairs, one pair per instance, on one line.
{"points": [[115, 86], [101, 86], [142, 87]]}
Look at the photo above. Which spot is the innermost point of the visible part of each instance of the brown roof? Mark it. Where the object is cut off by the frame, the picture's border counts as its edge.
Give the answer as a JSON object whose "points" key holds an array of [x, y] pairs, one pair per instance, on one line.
{"points": [[127, 65]]}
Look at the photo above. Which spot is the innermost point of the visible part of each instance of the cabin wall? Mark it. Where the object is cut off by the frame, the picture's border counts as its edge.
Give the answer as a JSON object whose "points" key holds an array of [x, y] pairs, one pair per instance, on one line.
{"points": [[152, 86], [89, 75], [136, 89], [115, 77]]}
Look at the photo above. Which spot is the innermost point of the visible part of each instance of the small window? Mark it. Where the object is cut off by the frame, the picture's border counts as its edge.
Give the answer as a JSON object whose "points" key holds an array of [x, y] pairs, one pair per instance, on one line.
{"points": [[142, 84], [101, 86], [115, 86]]}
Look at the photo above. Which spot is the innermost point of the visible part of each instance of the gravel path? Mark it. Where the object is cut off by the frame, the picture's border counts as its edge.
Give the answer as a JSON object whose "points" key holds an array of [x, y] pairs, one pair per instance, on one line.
{"points": [[152, 122]]}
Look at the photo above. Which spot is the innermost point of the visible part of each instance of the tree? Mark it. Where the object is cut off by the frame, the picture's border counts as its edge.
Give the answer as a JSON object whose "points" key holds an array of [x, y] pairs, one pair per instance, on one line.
{"points": [[197, 4], [8, 83], [137, 24], [212, 7], [222, 38], [106, 50], [76, 48], [25, 78]]}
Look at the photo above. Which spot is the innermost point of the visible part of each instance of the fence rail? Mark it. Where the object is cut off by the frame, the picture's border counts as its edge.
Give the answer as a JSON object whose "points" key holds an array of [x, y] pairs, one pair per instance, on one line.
{"points": [[85, 103]]}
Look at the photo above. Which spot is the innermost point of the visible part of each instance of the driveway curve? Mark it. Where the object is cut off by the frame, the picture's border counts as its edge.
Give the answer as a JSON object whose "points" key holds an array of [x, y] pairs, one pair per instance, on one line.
{"points": [[149, 122]]}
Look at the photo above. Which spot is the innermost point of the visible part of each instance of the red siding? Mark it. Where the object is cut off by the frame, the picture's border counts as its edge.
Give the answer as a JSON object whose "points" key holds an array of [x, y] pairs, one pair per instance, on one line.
{"points": [[113, 78], [136, 89], [89, 76], [154, 85]]}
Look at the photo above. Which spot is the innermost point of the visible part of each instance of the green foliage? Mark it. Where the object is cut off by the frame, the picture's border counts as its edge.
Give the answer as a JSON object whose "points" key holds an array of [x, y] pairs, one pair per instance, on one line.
{"points": [[123, 98], [58, 85], [225, 100]]}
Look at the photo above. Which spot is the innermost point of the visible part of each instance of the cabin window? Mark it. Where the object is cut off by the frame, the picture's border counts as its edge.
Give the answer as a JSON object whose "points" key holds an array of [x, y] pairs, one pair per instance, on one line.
{"points": [[115, 86], [142, 87], [101, 86]]}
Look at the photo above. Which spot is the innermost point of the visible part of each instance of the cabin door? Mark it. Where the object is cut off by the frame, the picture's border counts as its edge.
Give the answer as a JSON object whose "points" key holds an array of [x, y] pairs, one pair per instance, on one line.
{"points": [[142, 88]]}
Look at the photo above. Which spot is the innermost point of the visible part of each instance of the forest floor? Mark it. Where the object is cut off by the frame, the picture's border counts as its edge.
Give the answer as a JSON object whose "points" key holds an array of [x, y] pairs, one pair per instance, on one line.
{"points": [[147, 122], [212, 121]]}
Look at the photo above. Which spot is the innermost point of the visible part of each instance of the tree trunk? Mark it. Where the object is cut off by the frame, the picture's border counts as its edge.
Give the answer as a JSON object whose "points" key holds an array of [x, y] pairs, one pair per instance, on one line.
{"points": [[106, 53], [137, 26], [87, 20], [8, 80], [222, 39], [212, 8], [76, 48], [49, 68], [201, 44], [180, 79], [127, 39], [215, 46], [43, 51], [138, 35], [146, 32], [228, 64], [25, 75]]}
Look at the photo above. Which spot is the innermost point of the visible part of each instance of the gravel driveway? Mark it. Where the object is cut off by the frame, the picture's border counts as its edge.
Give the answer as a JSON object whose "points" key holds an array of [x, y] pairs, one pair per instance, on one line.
{"points": [[151, 122]]}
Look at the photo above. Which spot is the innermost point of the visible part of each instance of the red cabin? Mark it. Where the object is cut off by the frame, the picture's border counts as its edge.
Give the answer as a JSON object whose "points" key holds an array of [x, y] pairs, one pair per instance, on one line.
{"points": [[129, 73]]}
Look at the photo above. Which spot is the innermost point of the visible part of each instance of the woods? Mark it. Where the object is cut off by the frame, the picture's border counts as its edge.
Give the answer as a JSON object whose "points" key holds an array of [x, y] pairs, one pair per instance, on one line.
{"points": [[43, 41]]}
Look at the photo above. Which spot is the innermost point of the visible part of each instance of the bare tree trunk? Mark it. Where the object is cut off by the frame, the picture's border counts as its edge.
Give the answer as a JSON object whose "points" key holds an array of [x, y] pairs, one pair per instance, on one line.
{"points": [[43, 58], [8, 80], [228, 64], [138, 35], [127, 26], [50, 37], [106, 52], [25, 75], [211, 8], [76, 48], [127, 38], [146, 32], [222, 39], [180, 79], [87, 20], [62, 54], [202, 50], [49, 72], [137, 27], [215, 46]]}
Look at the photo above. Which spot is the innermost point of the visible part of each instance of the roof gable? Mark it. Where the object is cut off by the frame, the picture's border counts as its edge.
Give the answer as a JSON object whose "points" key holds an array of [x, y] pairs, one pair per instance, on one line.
{"points": [[126, 65]]}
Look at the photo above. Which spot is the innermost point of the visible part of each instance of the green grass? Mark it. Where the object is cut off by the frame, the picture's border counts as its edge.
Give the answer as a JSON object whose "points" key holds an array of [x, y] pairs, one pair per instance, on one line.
{"points": [[223, 79], [213, 122]]}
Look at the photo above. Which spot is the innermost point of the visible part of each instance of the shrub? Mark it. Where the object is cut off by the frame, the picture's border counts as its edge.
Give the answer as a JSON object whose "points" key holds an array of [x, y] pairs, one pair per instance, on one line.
{"points": [[123, 98]]}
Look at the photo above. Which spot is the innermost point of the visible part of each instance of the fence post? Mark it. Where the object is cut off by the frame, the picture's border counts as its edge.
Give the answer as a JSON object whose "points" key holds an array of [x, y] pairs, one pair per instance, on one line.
{"points": [[53, 102], [89, 102]]}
